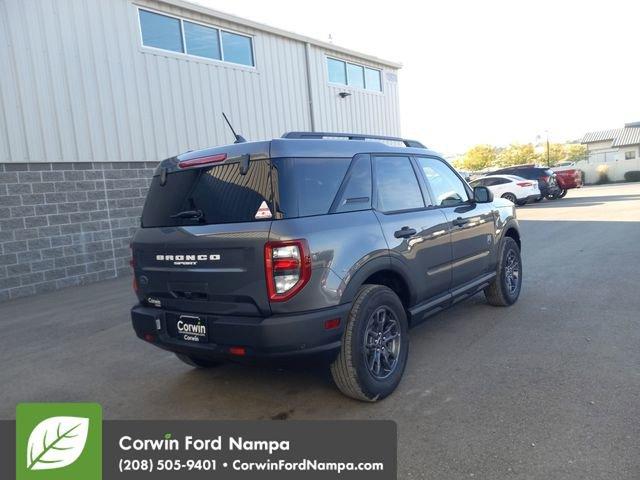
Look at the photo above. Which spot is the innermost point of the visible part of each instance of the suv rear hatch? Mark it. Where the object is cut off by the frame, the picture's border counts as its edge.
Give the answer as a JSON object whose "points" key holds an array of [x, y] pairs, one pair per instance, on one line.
{"points": [[204, 229]]}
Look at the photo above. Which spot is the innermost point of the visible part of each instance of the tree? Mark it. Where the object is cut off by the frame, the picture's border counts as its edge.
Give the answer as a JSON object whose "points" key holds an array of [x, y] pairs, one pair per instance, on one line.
{"points": [[478, 158], [518, 154], [575, 152]]}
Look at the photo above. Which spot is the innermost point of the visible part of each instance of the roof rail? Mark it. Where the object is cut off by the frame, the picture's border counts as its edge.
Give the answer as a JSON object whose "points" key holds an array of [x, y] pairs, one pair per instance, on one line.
{"points": [[352, 136]]}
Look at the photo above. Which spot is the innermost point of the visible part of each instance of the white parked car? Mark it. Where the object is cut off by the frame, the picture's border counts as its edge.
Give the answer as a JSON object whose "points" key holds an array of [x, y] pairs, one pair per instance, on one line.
{"points": [[515, 189]]}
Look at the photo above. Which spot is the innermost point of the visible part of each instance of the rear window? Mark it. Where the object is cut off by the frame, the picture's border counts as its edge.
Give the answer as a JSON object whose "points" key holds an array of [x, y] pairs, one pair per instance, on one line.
{"points": [[288, 187], [220, 193]]}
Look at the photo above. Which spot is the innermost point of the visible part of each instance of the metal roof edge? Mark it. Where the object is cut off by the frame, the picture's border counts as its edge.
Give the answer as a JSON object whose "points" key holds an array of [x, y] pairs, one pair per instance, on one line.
{"points": [[196, 7]]}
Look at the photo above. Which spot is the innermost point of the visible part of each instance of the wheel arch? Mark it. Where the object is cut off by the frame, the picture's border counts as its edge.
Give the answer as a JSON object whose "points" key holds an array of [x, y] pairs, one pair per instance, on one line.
{"points": [[388, 272]]}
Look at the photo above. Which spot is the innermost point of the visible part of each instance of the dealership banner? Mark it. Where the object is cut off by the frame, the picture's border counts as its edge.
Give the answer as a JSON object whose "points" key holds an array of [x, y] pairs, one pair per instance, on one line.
{"points": [[71, 441]]}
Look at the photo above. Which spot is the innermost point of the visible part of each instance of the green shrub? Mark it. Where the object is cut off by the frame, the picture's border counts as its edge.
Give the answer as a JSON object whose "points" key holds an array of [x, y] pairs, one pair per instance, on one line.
{"points": [[632, 176]]}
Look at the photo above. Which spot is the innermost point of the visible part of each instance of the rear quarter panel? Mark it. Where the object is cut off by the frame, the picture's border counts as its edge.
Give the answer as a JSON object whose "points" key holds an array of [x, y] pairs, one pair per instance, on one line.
{"points": [[340, 245]]}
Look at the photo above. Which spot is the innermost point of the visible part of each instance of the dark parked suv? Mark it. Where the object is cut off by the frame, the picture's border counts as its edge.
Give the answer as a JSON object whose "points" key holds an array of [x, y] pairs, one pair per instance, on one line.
{"points": [[315, 245], [547, 181]]}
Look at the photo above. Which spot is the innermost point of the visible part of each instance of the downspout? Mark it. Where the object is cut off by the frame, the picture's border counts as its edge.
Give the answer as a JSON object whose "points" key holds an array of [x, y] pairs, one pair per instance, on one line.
{"points": [[307, 57]]}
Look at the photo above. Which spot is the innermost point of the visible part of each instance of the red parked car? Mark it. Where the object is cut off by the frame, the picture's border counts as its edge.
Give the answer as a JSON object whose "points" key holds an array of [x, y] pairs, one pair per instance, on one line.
{"points": [[567, 177]]}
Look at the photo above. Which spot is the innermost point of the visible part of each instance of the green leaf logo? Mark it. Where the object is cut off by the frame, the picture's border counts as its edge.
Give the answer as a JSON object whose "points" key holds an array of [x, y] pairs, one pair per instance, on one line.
{"points": [[57, 442]]}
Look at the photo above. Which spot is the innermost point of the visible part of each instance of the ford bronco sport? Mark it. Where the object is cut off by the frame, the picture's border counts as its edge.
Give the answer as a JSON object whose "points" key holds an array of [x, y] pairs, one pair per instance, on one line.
{"points": [[315, 243]]}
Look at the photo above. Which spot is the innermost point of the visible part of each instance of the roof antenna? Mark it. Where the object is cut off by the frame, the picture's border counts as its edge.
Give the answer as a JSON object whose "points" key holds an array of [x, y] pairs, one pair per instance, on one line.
{"points": [[239, 138]]}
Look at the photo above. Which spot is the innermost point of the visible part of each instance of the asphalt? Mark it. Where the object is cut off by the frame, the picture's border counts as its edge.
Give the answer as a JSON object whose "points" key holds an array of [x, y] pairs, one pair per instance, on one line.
{"points": [[548, 388]]}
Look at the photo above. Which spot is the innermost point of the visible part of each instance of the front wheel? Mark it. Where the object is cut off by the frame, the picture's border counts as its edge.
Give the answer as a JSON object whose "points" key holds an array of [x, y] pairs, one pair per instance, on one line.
{"points": [[506, 286], [510, 196], [375, 345]]}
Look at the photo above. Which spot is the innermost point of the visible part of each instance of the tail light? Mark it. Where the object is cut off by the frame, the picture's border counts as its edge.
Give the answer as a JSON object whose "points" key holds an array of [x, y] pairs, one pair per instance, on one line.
{"points": [[287, 266], [199, 161], [524, 184]]}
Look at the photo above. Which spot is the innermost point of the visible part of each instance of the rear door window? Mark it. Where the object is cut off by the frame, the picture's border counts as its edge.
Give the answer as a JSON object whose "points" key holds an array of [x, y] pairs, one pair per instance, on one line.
{"points": [[397, 187], [356, 193]]}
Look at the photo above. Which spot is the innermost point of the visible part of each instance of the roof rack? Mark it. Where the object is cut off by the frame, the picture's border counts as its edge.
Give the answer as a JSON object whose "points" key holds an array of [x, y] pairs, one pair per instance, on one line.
{"points": [[352, 136]]}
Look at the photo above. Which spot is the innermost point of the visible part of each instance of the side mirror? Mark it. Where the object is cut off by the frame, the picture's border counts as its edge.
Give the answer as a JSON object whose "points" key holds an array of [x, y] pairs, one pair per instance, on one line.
{"points": [[482, 195]]}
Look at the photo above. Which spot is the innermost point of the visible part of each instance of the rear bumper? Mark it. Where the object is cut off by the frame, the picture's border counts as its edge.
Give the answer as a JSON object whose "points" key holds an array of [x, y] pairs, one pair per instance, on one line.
{"points": [[549, 190], [530, 198], [275, 336]]}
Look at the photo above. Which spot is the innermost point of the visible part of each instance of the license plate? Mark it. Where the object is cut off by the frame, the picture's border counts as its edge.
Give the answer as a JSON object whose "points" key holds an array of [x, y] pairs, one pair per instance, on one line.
{"points": [[191, 328]]}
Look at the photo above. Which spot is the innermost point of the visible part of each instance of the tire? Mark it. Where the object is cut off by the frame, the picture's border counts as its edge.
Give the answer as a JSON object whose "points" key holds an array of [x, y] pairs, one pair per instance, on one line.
{"points": [[562, 193], [354, 370], [198, 362], [521, 203], [537, 199], [502, 292], [510, 196]]}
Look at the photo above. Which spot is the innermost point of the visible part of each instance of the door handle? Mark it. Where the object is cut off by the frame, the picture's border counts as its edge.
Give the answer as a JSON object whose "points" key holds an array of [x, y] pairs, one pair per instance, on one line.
{"points": [[404, 232], [459, 222]]}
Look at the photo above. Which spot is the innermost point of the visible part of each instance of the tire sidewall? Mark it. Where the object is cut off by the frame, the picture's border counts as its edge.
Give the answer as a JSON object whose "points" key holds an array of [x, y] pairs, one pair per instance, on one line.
{"points": [[510, 196], [372, 387], [508, 245]]}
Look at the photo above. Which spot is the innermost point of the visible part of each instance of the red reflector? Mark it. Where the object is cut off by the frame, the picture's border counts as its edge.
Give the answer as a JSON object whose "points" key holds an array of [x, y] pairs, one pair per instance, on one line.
{"points": [[150, 337], [237, 351], [203, 160], [135, 284], [331, 324], [286, 264]]}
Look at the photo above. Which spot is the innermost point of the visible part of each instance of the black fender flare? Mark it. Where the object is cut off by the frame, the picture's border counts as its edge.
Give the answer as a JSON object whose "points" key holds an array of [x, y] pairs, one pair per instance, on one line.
{"points": [[511, 223], [374, 266]]}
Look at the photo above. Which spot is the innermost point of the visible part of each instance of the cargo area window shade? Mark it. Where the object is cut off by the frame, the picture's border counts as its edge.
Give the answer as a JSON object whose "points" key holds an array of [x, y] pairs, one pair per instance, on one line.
{"points": [[174, 34]]}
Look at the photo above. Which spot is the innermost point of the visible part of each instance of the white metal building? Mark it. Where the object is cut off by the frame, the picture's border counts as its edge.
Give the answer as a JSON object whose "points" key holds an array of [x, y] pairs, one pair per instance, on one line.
{"points": [[116, 80], [94, 93], [614, 152]]}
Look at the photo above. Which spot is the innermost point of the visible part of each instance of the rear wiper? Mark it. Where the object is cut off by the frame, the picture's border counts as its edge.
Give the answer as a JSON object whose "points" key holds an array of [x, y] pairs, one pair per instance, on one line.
{"points": [[196, 214]]}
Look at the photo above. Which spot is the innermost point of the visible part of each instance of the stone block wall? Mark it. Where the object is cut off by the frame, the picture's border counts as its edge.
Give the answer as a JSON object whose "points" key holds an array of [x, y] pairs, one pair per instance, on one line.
{"points": [[64, 224]]}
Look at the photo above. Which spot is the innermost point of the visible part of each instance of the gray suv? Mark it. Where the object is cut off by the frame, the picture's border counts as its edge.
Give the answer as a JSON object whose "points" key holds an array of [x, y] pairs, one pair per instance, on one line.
{"points": [[315, 244]]}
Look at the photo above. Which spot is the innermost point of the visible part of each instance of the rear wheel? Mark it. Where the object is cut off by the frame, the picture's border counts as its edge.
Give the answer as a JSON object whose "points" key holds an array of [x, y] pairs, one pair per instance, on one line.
{"points": [[198, 362], [521, 203], [510, 196], [537, 199], [375, 346], [562, 193], [506, 286]]}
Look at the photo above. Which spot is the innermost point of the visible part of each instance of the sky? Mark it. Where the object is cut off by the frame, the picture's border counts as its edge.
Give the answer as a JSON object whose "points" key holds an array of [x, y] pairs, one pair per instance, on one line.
{"points": [[486, 71]]}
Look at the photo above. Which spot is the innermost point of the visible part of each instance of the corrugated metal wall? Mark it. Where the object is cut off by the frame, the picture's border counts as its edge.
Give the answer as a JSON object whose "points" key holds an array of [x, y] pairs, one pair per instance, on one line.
{"points": [[77, 86]]}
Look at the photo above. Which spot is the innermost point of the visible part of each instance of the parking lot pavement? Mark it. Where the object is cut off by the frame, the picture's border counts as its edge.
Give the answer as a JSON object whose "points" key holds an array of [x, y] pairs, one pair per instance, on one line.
{"points": [[548, 388]]}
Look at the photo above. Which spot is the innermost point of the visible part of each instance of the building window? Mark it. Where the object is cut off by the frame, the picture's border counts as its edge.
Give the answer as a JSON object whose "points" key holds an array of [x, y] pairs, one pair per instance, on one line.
{"points": [[160, 31], [629, 155], [182, 36], [337, 71], [354, 75], [372, 79], [202, 41], [237, 48]]}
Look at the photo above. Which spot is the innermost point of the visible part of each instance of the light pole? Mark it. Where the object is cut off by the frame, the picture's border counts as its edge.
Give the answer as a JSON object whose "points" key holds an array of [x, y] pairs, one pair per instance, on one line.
{"points": [[548, 157]]}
